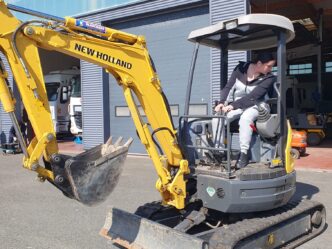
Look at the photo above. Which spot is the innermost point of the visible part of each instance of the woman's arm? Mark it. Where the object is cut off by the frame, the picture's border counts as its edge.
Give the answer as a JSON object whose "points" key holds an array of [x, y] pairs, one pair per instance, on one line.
{"points": [[259, 91]]}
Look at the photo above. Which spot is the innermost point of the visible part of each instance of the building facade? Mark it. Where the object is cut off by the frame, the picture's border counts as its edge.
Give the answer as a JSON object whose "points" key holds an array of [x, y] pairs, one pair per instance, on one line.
{"points": [[166, 25]]}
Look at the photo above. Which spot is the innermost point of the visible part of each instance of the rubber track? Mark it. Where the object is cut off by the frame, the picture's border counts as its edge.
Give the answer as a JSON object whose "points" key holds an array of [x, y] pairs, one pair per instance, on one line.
{"points": [[229, 236]]}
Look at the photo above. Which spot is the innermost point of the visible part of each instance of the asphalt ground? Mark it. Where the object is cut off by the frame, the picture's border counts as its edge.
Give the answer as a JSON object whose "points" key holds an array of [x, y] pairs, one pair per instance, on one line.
{"points": [[36, 215], [317, 158]]}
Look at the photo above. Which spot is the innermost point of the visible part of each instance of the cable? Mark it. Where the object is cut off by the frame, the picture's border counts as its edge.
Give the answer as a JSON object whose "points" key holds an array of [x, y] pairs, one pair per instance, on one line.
{"points": [[157, 130], [212, 226]]}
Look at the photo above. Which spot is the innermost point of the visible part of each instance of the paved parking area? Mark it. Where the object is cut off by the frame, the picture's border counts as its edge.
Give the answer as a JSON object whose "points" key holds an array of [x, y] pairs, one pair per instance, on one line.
{"points": [[317, 158], [36, 215]]}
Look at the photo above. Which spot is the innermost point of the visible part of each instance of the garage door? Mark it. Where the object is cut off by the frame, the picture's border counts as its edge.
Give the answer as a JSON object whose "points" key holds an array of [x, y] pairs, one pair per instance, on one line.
{"points": [[166, 37]]}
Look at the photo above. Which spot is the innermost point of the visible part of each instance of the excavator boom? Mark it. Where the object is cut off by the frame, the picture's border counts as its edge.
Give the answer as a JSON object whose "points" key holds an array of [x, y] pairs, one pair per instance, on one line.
{"points": [[125, 57]]}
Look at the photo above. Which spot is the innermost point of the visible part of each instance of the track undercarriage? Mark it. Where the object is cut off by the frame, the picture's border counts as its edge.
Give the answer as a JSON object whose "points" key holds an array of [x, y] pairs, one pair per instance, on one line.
{"points": [[155, 226]]}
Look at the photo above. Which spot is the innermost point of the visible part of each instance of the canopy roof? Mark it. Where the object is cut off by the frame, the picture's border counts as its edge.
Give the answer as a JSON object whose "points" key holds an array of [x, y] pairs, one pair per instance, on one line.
{"points": [[248, 32]]}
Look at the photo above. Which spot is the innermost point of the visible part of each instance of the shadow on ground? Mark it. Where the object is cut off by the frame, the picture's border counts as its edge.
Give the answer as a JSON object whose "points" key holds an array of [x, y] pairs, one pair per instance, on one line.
{"points": [[305, 191]]}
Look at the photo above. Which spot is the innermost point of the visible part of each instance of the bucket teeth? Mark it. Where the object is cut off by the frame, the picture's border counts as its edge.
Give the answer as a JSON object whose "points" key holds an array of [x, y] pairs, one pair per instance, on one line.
{"points": [[108, 147]]}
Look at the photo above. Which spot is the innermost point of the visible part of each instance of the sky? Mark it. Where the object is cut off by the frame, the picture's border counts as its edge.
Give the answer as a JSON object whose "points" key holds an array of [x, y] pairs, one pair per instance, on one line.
{"points": [[64, 8]]}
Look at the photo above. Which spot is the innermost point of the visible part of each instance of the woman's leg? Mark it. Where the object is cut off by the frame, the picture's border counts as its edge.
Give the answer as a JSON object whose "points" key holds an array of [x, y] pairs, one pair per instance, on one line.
{"points": [[218, 127], [245, 132], [247, 119]]}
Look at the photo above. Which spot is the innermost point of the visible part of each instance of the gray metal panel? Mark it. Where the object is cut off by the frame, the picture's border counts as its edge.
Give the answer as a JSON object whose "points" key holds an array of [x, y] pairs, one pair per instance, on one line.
{"points": [[135, 9], [92, 105], [168, 46], [236, 196], [5, 122], [224, 10]]}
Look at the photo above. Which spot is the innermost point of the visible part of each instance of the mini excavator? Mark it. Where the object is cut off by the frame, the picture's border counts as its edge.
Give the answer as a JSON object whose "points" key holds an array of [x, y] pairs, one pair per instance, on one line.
{"points": [[205, 201]]}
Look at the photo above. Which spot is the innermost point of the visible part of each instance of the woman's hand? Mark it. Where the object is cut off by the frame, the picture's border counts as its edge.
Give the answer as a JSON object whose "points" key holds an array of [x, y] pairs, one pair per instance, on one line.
{"points": [[218, 107], [228, 108]]}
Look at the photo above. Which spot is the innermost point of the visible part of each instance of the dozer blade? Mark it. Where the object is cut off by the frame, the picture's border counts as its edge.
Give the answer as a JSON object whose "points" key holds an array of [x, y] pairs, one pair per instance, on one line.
{"points": [[134, 232], [92, 175]]}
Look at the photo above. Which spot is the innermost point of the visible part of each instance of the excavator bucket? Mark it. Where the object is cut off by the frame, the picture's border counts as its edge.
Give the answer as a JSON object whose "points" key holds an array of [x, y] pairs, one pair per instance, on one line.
{"points": [[92, 175]]}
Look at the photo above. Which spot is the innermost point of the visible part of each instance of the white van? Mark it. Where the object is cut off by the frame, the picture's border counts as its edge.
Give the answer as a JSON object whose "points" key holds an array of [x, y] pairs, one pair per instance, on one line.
{"points": [[58, 86]]}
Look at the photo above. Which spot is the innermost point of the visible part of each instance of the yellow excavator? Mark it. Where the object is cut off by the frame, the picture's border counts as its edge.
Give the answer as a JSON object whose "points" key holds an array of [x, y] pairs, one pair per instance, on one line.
{"points": [[205, 201]]}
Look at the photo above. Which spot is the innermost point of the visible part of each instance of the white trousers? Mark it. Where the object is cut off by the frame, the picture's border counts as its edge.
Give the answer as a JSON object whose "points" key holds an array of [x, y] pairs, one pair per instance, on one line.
{"points": [[247, 117]]}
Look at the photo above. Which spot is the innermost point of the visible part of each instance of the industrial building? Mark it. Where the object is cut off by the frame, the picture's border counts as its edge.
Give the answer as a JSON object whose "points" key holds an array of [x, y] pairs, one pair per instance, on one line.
{"points": [[166, 25]]}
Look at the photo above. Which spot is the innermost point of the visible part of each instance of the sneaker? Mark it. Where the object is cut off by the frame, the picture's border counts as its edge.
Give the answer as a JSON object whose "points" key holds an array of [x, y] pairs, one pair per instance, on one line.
{"points": [[243, 161]]}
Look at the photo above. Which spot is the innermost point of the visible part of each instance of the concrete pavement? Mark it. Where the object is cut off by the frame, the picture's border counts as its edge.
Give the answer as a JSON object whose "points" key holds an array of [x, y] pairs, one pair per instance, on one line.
{"points": [[37, 216]]}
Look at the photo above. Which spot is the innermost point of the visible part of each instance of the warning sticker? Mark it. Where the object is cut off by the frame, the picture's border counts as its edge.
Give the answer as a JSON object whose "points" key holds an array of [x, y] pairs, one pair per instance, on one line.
{"points": [[211, 191], [90, 26]]}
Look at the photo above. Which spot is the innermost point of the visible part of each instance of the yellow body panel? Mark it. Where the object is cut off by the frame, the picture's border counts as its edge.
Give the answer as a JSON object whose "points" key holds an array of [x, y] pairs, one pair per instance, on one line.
{"points": [[289, 160]]}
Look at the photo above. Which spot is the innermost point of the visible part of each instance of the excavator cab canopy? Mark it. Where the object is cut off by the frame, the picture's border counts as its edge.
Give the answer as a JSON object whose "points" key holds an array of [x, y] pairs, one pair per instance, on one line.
{"points": [[249, 32]]}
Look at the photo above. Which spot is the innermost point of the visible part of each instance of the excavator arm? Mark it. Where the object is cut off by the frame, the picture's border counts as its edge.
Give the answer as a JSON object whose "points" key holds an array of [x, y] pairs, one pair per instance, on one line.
{"points": [[123, 55]]}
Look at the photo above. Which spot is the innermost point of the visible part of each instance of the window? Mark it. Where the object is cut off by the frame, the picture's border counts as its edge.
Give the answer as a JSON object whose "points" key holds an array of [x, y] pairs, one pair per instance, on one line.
{"points": [[76, 87], [52, 91], [300, 69], [123, 111], [274, 70], [328, 67], [198, 109]]}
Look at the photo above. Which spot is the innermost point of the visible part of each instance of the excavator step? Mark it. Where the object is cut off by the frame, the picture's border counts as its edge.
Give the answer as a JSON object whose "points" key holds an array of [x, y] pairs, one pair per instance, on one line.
{"points": [[288, 226]]}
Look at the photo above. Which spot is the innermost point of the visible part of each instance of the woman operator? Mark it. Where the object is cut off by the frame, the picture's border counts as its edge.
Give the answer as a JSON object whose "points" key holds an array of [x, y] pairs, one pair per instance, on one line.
{"points": [[248, 85]]}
